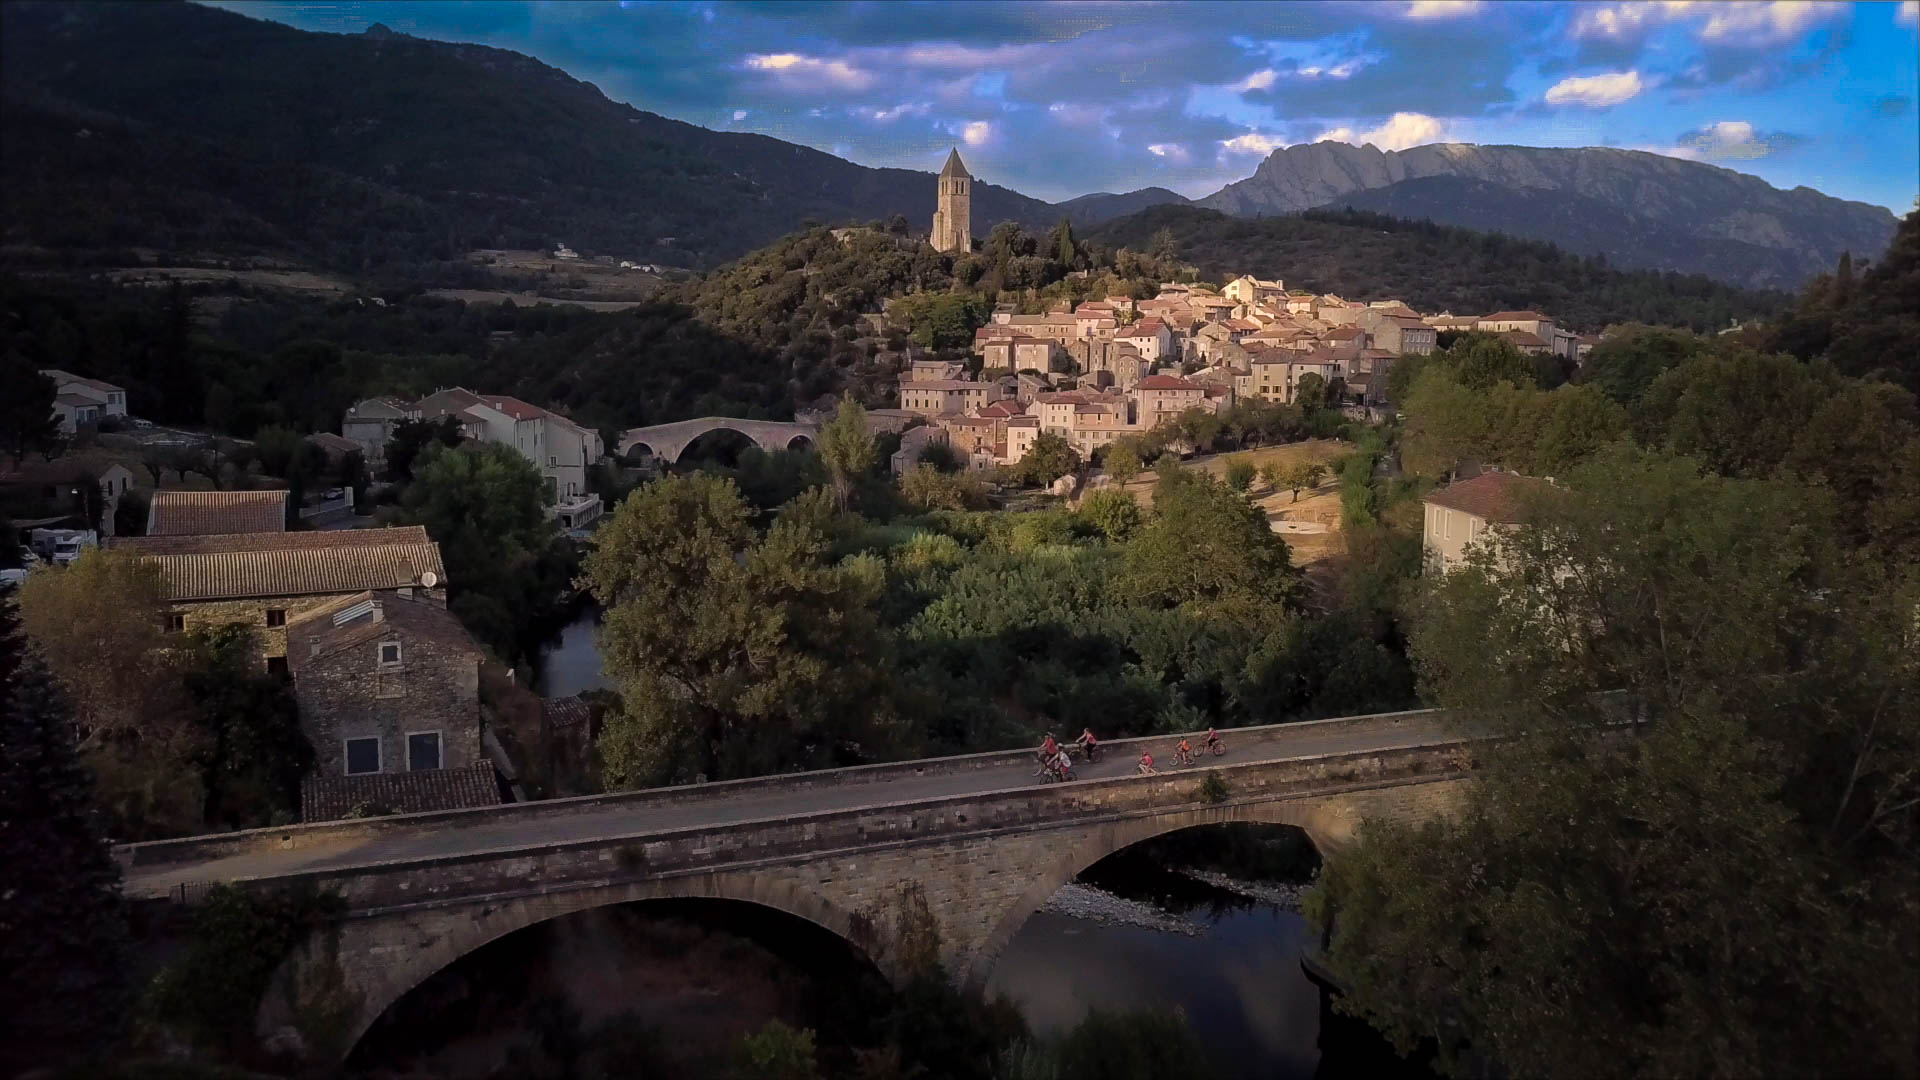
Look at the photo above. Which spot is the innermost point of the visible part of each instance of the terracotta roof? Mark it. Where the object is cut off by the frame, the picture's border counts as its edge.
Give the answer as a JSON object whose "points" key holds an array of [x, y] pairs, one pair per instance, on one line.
{"points": [[329, 798], [1024, 421], [566, 712], [1515, 316], [1164, 382], [1523, 338], [327, 440], [1494, 497], [207, 513], [1343, 333], [290, 564], [516, 408], [321, 631]]}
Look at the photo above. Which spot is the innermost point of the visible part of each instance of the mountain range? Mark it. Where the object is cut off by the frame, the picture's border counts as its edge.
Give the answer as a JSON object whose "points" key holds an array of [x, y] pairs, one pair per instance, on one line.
{"points": [[187, 129], [1641, 210]]}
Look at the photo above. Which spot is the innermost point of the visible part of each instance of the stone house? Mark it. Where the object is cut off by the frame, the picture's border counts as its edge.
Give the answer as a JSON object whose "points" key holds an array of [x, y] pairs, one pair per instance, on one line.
{"points": [[371, 424], [1021, 431], [913, 443], [1149, 337], [1531, 344], [935, 370], [216, 513], [1277, 372], [1161, 398], [82, 402], [1033, 354], [939, 397], [1401, 335], [1469, 510], [1247, 290], [560, 449], [61, 493], [1528, 322], [970, 434], [385, 685], [266, 579]]}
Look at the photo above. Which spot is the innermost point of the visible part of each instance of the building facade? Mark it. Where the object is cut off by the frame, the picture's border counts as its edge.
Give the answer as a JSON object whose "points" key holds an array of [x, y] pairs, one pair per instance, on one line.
{"points": [[953, 218]]}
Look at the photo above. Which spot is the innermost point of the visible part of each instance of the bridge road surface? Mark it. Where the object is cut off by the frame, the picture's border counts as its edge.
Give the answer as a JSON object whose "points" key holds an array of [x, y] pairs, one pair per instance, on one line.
{"points": [[490, 833]]}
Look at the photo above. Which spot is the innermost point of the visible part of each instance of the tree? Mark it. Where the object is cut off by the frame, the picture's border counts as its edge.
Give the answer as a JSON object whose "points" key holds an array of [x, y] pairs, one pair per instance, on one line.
{"points": [[274, 448], [1143, 1045], [412, 437], [507, 564], [1479, 360], [63, 930], [1111, 511], [1122, 461], [1240, 473], [1210, 550], [1579, 420], [1163, 245], [1299, 475], [734, 657], [775, 1052], [254, 753], [847, 448], [1049, 458], [941, 457], [27, 423], [926, 488], [1310, 393], [1728, 891], [1627, 360]]}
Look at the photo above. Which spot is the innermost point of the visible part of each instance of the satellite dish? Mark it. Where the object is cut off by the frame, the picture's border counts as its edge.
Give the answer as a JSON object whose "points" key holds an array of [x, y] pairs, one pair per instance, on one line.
{"points": [[429, 579]]}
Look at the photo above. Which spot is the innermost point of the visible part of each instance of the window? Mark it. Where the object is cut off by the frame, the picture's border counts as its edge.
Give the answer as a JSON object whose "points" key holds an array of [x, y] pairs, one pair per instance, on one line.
{"points": [[276, 616], [389, 652], [552, 461], [276, 665], [423, 750], [363, 756], [176, 622]]}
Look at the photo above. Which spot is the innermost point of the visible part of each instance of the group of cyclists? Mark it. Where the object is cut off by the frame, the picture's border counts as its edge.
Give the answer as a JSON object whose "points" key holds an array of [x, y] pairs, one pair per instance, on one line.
{"points": [[1056, 763]]}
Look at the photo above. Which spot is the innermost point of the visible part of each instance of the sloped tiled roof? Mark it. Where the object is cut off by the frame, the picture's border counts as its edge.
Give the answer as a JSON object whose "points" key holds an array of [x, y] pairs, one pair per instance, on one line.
{"points": [[329, 798], [291, 564], [328, 441], [1164, 382], [206, 513], [315, 633], [566, 712], [65, 378], [1515, 316], [1493, 497], [1523, 338]]}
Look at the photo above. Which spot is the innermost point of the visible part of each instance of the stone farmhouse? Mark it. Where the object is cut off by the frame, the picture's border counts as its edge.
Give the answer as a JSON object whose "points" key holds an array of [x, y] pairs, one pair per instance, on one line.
{"points": [[388, 689]]}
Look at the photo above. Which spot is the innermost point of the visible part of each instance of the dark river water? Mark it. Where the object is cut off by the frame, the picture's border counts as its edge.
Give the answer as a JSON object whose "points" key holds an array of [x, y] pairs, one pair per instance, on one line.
{"points": [[570, 662]]}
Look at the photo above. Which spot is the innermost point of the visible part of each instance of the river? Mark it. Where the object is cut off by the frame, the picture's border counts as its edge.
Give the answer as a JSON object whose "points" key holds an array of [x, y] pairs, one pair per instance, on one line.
{"points": [[570, 661]]}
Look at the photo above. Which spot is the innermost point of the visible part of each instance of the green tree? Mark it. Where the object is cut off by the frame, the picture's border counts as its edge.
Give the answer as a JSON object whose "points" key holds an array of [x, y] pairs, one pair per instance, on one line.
{"points": [[926, 488], [1729, 891], [1629, 358], [1737, 410], [1300, 475], [1122, 461], [1049, 458], [1111, 512], [1143, 1045], [63, 931], [412, 437], [507, 564], [847, 448], [1578, 421], [1209, 550], [775, 1052], [1240, 473], [27, 423], [274, 448], [940, 457], [254, 753], [1479, 360], [1310, 393], [733, 657]]}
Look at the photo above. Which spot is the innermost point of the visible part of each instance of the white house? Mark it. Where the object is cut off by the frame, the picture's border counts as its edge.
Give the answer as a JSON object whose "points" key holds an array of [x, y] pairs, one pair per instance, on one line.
{"points": [[82, 402]]}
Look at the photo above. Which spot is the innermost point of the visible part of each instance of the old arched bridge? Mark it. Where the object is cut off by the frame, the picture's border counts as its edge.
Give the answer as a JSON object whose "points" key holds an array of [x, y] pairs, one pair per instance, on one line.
{"points": [[668, 441], [986, 844]]}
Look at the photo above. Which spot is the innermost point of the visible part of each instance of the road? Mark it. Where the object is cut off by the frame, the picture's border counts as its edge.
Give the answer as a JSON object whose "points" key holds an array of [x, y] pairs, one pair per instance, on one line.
{"points": [[537, 829]]}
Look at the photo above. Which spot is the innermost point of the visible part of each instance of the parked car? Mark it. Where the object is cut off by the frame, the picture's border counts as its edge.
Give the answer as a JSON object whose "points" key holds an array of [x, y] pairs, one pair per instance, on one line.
{"points": [[336, 493], [142, 424]]}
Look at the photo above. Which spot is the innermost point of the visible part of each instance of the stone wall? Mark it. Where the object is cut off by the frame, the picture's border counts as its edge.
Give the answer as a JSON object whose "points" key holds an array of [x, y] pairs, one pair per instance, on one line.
{"points": [[271, 641], [349, 694]]}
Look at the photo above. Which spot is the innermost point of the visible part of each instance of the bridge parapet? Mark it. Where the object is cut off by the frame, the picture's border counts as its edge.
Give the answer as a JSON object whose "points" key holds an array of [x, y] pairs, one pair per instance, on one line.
{"points": [[355, 832]]}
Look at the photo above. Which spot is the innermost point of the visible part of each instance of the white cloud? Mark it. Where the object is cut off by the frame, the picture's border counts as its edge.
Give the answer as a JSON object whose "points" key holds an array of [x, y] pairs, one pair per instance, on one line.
{"points": [[907, 108], [1731, 140], [1170, 151], [1342, 70], [976, 133], [1442, 9], [1728, 22], [1405, 129], [739, 114], [1259, 80], [1253, 142], [1596, 90], [836, 72], [1908, 12]]}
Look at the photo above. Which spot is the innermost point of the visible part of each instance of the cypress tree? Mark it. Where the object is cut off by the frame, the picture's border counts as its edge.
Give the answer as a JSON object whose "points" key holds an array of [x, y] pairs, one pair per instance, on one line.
{"points": [[63, 931]]}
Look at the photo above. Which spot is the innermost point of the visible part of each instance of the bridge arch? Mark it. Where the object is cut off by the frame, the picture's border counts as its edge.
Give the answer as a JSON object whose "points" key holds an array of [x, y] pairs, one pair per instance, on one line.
{"points": [[402, 950], [1328, 827], [668, 441]]}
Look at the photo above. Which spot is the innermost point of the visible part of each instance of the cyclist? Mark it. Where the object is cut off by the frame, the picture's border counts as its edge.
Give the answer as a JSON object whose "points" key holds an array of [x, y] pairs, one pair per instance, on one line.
{"points": [[1062, 766], [1048, 748], [1213, 742], [1183, 754], [1087, 742], [1146, 764]]}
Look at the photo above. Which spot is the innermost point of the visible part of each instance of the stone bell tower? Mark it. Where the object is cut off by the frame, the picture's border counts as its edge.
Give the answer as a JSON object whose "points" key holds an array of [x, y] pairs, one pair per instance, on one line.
{"points": [[953, 221]]}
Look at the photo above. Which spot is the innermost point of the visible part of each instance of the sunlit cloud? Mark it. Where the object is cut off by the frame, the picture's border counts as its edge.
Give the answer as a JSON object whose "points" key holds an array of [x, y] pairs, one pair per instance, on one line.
{"points": [[1732, 140], [837, 72], [1748, 23], [1442, 9], [1596, 90], [1908, 13], [1405, 129], [1253, 142], [1259, 80], [1170, 151], [976, 133]]}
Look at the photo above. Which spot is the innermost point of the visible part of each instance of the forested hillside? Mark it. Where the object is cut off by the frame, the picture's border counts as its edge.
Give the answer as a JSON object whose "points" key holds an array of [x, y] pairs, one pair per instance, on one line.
{"points": [[171, 125], [1436, 268]]}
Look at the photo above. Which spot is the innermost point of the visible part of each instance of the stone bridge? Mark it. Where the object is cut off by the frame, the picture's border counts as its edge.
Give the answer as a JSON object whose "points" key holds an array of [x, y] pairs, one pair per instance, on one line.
{"points": [[668, 441], [985, 843]]}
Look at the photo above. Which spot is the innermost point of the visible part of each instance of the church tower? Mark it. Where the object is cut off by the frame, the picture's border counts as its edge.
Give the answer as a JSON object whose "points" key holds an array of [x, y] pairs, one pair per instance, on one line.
{"points": [[953, 221]]}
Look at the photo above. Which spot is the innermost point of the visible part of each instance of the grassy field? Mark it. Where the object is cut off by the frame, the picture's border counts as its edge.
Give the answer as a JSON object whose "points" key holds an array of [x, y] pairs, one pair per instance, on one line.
{"points": [[1310, 525]]}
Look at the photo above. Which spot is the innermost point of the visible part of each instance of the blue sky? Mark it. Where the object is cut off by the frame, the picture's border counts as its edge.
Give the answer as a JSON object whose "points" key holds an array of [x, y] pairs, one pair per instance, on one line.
{"points": [[1057, 99]]}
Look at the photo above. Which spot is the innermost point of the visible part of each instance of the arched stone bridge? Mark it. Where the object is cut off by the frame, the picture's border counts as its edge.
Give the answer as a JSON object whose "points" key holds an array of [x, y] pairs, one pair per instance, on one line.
{"points": [[986, 844], [668, 441]]}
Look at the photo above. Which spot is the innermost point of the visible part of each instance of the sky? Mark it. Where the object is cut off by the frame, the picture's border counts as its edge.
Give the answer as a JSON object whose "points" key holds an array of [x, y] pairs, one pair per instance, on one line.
{"points": [[1057, 99]]}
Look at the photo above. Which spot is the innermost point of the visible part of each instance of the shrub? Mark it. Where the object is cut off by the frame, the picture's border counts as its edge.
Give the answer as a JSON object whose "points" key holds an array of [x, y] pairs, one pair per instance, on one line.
{"points": [[1240, 473], [1111, 512]]}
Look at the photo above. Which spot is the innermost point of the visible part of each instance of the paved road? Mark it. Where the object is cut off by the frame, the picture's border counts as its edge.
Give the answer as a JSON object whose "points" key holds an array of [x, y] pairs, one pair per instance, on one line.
{"points": [[537, 829]]}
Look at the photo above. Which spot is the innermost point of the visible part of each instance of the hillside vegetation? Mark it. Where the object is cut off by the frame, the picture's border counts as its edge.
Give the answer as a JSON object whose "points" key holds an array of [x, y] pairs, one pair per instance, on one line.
{"points": [[1436, 268]]}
